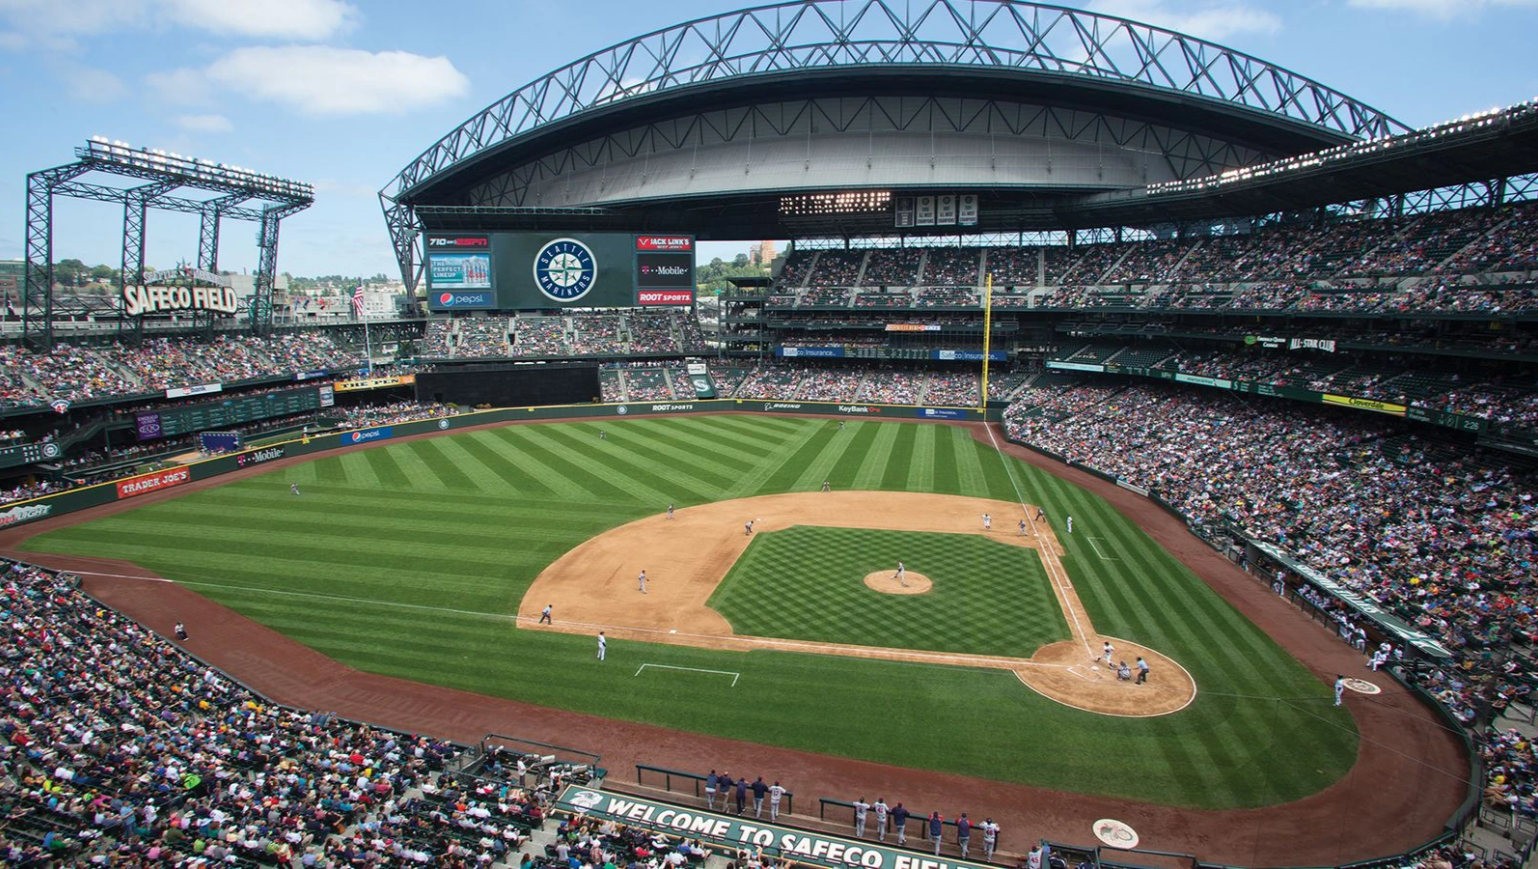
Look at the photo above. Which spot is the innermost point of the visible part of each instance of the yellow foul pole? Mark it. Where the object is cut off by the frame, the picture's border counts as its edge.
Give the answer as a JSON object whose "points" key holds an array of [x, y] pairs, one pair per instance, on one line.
{"points": [[987, 335]]}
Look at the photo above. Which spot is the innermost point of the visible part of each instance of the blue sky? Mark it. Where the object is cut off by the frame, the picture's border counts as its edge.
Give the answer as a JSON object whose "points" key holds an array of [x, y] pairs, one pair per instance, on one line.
{"points": [[343, 93]]}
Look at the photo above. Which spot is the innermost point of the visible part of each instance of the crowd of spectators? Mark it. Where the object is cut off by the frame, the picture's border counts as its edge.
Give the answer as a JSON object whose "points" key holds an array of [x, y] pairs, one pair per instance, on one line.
{"points": [[654, 333], [539, 336], [80, 373], [892, 387], [370, 415], [119, 749], [951, 267], [481, 337], [953, 388], [594, 335], [837, 268], [893, 267]]}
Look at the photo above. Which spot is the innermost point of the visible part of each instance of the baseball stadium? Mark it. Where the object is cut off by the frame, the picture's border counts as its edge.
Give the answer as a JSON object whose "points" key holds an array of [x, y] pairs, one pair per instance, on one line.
{"points": [[1129, 459]]}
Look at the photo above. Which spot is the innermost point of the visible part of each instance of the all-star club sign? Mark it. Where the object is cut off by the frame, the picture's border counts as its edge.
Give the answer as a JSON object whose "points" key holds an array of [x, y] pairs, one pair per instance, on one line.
{"points": [[744, 833]]}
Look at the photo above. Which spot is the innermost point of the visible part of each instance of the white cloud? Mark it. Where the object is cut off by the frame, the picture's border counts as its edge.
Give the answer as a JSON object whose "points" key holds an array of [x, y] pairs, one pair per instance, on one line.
{"points": [[303, 20], [1441, 10], [1213, 19], [205, 123], [91, 85], [181, 86], [322, 80], [55, 25]]}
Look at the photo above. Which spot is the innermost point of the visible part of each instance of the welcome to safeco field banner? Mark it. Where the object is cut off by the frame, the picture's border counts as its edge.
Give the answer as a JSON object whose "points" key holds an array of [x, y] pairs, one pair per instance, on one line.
{"points": [[744, 833]]}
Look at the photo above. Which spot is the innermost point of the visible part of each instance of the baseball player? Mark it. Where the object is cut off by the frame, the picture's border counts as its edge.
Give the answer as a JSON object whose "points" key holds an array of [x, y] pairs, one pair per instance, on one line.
{"points": [[1380, 657], [670, 512], [900, 822], [747, 528], [642, 580], [990, 838], [1105, 651], [1340, 688], [963, 834], [1041, 514], [987, 522], [1022, 527], [902, 575], [294, 488], [860, 808], [826, 487], [603, 645], [710, 789], [840, 425], [603, 435], [544, 615], [1280, 586], [1070, 524], [882, 811], [775, 792]]}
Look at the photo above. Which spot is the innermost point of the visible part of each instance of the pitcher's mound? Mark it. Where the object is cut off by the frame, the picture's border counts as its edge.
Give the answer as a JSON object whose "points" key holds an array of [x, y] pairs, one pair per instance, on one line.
{"points": [[885, 581]]}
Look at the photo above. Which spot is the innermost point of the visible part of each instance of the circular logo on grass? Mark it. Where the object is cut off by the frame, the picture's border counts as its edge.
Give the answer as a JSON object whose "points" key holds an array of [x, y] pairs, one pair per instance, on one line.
{"points": [[1362, 686], [564, 270], [1115, 833]]}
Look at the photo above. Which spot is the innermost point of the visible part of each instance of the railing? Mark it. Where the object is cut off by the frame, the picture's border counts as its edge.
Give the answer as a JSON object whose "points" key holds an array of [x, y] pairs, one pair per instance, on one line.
{"points": [[696, 783], [914, 817]]}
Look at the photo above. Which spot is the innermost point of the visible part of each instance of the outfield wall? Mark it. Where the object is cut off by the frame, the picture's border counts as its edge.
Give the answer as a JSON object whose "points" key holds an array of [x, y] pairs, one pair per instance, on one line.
{"points": [[86, 497]]}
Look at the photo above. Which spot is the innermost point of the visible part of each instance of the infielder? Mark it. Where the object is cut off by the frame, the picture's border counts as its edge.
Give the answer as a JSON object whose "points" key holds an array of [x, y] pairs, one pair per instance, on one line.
{"points": [[881, 818], [1340, 688], [987, 522], [747, 528], [825, 486], [1022, 527], [642, 579], [603, 645], [902, 575], [544, 615], [670, 512], [860, 807]]}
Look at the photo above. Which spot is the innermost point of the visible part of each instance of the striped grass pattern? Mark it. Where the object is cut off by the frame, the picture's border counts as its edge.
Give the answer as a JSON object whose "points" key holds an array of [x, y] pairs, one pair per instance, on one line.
{"points": [[807, 583], [407, 559]]}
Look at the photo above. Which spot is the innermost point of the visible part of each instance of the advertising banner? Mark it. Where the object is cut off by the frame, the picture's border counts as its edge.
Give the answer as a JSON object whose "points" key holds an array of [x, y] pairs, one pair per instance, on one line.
{"points": [[444, 301], [24, 513], [940, 413], [810, 352], [1325, 344], [366, 383], [665, 242], [913, 327], [310, 375], [1363, 404], [327, 394], [364, 435], [261, 456], [969, 355], [460, 272], [746, 833], [148, 427], [664, 271], [1216, 382], [649, 298], [204, 389], [154, 482], [1073, 366]]}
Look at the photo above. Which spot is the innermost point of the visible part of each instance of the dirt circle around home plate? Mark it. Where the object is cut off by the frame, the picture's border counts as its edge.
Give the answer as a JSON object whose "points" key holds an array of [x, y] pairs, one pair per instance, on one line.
{"points": [[885, 581]]}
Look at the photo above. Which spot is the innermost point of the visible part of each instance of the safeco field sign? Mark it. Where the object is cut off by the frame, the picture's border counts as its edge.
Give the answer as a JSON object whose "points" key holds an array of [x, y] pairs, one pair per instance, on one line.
{"points": [[721, 829]]}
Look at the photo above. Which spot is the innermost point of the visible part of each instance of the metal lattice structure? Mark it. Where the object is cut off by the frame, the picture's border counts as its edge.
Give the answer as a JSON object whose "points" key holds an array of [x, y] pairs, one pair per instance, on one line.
{"points": [[164, 173], [999, 36]]}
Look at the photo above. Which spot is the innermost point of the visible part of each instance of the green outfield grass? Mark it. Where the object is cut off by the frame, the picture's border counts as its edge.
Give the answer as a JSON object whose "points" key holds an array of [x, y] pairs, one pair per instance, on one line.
{"points": [[407, 559], [807, 583]]}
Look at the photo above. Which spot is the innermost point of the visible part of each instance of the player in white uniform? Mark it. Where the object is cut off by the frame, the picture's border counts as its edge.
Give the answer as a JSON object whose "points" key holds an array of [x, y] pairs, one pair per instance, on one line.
{"points": [[987, 522], [1070, 524], [775, 792], [902, 575], [860, 808], [990, 838], [603, 645], [642, 580], [670, 511], [1340, 688], [882, 810], [293, 487], [1106, 649]]}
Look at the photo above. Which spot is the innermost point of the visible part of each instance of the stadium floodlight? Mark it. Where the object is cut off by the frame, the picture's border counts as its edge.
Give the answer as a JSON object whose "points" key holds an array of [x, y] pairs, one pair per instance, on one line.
{"points": [[194, 171]]}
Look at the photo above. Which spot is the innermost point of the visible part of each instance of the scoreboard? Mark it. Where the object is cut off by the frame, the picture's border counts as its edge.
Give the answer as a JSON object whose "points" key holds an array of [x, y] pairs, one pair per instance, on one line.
{"points": [[236, 410], [549, 270]]}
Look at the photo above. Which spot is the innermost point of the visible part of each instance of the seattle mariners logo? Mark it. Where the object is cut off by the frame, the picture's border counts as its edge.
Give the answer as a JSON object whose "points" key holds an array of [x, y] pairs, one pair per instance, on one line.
{"points": [[565, 270]]}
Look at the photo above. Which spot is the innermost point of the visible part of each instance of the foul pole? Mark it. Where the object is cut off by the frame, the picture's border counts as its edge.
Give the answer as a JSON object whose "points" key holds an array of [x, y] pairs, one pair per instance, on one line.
{"points": [[987, 337]]}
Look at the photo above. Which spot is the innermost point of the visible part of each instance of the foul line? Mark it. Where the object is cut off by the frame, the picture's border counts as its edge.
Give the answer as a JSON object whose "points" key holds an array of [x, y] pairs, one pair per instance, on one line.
{"points": [[732, 673], [1048, 559], [1099, 552]]}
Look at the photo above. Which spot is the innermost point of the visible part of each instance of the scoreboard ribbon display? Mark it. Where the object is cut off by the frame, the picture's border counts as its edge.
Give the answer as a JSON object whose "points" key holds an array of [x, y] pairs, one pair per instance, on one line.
{"points": [[664, 270]]}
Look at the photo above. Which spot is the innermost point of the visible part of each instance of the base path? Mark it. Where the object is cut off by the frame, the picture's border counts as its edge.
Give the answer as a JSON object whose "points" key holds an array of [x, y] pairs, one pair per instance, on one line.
{"points": [[1405, 784], [596, 587]]}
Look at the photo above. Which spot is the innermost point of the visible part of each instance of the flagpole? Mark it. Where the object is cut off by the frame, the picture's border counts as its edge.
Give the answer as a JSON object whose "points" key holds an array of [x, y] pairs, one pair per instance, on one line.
{"points": [[368, 349], [987, 335]]}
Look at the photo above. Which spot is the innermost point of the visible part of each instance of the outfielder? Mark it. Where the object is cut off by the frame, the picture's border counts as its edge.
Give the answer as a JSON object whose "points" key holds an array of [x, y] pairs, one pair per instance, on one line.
{"points": [[603, 645], [670, 511], [293, 487], [642, 579], [1070, 524]]}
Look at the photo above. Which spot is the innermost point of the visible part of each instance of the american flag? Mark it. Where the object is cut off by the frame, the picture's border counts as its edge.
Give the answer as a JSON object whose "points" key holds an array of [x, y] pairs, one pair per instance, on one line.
{"points": [[357, 300]]}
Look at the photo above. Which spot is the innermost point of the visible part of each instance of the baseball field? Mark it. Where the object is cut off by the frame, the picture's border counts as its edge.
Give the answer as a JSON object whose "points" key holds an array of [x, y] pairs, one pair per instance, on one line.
{"points": [[431, 560]]}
